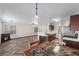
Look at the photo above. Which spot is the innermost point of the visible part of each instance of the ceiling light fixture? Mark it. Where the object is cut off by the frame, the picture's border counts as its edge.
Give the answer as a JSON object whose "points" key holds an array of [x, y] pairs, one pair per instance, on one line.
{"points": [[35, 20], [56, 19]]}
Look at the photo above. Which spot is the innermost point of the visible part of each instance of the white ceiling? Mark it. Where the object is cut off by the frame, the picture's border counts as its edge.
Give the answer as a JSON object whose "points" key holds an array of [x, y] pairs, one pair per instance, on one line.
{"points": [[24, 12]]}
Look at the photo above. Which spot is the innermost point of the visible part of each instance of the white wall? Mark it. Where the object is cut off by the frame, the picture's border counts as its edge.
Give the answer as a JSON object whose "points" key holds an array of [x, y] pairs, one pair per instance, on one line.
{"points": [[43, 29], [65, 21], [23, 30]]}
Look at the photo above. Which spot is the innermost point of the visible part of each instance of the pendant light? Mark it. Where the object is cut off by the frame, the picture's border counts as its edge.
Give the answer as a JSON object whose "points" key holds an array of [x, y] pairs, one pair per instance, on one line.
{"points": [[35, 20]]}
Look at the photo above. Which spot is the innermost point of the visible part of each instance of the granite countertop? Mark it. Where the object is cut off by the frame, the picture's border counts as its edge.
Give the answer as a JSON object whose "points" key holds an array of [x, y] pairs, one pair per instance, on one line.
{"points": [[71, 39], [46, 50]]}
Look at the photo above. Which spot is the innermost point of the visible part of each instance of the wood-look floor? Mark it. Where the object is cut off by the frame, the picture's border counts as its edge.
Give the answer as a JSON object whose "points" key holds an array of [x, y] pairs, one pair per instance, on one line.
{"points": [[15, 47]]}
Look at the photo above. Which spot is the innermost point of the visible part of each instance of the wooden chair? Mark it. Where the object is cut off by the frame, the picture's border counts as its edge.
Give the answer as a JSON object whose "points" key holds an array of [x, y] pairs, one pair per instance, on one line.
{"points": [[28, 52], [33, 44]]}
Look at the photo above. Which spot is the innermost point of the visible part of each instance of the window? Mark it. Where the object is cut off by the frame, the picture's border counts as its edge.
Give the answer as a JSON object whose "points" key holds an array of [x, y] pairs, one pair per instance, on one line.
{"points": [[9, 29]]}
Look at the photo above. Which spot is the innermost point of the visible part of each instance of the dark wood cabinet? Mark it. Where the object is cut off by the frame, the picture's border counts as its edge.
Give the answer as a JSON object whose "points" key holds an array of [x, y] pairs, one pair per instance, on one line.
{"points": [[73, 44], [5, 37], [74, 22], [51, 37], [42, 39]]}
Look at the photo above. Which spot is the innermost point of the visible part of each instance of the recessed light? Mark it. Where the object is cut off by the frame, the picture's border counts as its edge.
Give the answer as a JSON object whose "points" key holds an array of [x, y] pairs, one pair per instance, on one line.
{"points": [[56, 19]]}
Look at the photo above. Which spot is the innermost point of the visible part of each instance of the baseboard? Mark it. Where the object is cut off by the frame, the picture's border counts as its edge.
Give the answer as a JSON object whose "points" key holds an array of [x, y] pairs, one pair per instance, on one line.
{"points": [[24, 36]]}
